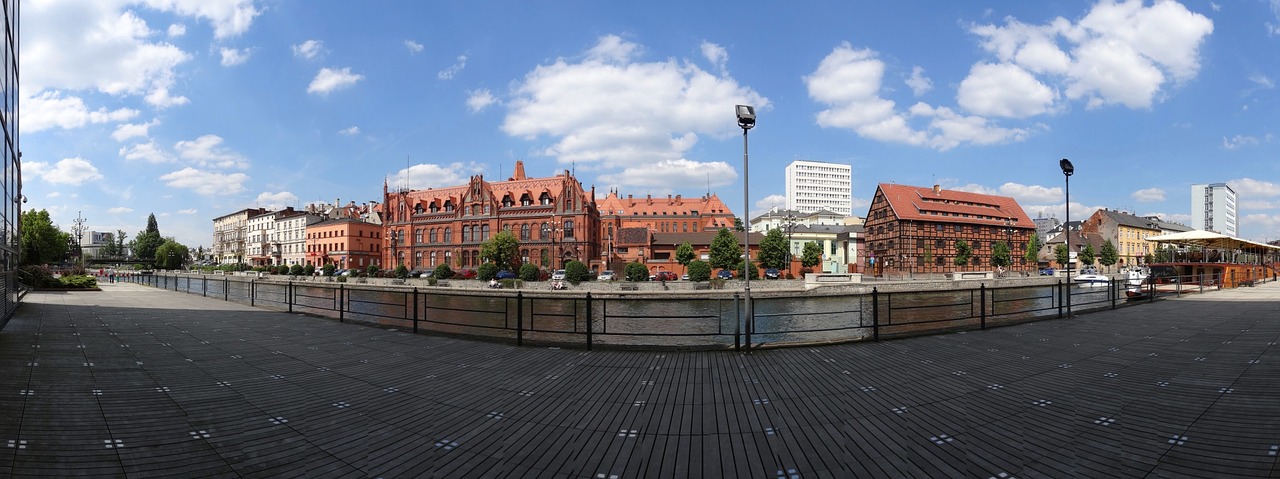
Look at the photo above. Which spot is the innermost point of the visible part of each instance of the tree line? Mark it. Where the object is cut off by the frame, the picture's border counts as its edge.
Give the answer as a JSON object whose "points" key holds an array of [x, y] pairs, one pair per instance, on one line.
{"points": [[43, 243]]}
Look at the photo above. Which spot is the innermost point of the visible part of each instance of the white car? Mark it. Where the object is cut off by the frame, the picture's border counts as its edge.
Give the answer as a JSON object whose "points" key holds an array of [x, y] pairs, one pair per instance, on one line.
{"points": [[606, 275], [557, 275]]}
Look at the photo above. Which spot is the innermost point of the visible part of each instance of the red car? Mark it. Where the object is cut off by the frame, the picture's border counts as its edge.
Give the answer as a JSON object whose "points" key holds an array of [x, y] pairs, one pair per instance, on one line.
{"points": [[666, 276]]}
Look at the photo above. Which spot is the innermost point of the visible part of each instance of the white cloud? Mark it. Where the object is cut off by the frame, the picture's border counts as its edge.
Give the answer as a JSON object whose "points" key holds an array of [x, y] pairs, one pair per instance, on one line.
{"points": [[233, 57], [848, 82], [1261, 226], [1251, 188], [667, 175], [352, 131], [68, 171], [1004, 90], [768, 203], [1031, 193], [207, 151], [330, 79], [149, 152], [717, 55], [1119, 53], [53, 194], [1238, 141], [1262, 81], [206, 183], [919, 83], [177, 30], [275, 201], [1148, 195], [612, 110], [414, 47], [423, 176], [229, 17], [448, 73], [478, 100], [50, 109], [309, 49], [188, 211], [119, 210], [133, 130]]}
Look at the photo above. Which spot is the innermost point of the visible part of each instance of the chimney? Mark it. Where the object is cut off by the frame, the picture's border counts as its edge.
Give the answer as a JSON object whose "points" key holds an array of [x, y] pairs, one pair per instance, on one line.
{"points": [[937, 189]]}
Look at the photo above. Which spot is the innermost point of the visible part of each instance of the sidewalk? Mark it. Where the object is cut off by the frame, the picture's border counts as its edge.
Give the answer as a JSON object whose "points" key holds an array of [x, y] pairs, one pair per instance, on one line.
{"points": [[135, 381]]}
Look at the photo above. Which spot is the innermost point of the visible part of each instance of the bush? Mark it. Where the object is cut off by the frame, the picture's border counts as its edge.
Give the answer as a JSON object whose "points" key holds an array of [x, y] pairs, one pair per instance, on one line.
{"points": [[327, 269], [636, 272], [717, 283], [309, 269], [36, 276], [443, 272], [372, 270], [296, 270], [76, 269], [699, 270], [487, 271], [575, 272], [432, 281], [80, 281], [342, 279], [402, 272], [755, 272], [528, 272]]}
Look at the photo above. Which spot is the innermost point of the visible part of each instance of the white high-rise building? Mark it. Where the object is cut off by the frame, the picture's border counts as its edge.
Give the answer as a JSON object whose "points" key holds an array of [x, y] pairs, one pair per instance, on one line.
{"points": [[814, 186], [1213, 208]]}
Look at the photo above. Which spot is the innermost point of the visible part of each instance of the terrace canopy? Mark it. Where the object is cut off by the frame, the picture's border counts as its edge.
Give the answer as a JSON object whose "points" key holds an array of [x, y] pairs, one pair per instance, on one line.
{"points": [[1217, 241]]}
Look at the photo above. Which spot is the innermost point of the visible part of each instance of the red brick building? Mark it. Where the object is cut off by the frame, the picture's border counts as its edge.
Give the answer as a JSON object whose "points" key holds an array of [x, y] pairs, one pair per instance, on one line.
{"points": [[344, 242], [911, 229], [554, 219], [628, 225]]}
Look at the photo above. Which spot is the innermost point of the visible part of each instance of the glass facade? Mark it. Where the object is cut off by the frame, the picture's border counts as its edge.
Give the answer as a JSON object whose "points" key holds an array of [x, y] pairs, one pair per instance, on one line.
{"points": [[12, 179]]}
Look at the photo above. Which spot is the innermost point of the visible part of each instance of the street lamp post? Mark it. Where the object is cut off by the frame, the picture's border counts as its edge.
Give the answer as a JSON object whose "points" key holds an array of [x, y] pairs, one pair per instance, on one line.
{"points": [[746, 120], [1067, 170]]}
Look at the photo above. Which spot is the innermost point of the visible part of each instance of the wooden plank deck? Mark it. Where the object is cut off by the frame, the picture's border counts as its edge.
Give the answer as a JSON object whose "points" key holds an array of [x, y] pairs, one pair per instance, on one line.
{"points": [[138, 381]]}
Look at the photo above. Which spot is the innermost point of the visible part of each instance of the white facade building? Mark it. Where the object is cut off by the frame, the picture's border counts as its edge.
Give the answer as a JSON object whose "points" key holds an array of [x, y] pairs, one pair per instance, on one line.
{"points": [[1213, 208], [291, 235], [814, 186]]}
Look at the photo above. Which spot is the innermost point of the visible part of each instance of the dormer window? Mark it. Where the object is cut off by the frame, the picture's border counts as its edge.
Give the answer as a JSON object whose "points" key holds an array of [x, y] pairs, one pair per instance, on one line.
{"points": [[525, 200], [507, 202], [544, 199], [433, 208]]}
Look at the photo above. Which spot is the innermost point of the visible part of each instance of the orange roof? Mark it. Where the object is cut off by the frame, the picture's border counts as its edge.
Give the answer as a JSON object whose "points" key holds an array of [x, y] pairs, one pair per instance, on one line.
{"points": [[613, 204], [936, 204]]}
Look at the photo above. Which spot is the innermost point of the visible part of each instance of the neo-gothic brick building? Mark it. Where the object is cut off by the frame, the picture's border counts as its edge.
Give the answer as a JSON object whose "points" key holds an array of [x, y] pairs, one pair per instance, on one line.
{"points": [[554, 219], [911, 229], [642, 218]]}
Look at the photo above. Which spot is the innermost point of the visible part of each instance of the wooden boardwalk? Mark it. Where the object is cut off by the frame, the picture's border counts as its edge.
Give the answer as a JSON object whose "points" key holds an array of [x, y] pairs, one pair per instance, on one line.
{"points": [[138, 382]]}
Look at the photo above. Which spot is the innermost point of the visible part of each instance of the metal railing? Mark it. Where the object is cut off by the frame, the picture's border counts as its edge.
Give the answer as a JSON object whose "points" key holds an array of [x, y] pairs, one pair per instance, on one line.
{"points": [[703, 320]]}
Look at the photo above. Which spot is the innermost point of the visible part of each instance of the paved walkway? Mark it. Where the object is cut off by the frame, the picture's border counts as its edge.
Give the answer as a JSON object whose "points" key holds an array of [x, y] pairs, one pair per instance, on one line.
{"points": [[134, 381]]}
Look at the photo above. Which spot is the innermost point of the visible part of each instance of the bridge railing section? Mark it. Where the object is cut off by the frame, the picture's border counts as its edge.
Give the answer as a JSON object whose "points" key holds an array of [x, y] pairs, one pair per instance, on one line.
{"points": [[697, 320]]}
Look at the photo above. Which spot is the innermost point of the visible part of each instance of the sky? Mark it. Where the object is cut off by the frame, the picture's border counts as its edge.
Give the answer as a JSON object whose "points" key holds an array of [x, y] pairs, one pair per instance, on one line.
{"points": [[193, 109]]}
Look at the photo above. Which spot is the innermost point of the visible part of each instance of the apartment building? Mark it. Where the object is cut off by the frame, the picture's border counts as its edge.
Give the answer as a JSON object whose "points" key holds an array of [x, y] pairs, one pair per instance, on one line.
{"points": [[230, 235], [345, 243], [813, 186], [1213, 208]]}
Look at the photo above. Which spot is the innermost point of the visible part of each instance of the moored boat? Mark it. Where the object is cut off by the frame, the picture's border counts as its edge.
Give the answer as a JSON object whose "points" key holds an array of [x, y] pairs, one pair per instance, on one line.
{"points": [[1090, 277]]}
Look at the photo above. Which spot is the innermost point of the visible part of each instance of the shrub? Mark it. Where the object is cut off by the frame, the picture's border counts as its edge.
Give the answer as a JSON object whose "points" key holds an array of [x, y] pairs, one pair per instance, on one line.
{"points": [[699, 270], [402, 272], [432, 281], [717, 283], [327, 269], [36, 276], [443, 272], [76, 269], [755, 272], [487, 271], [342, 279], [80, 281], [575, 272], [296, 270], [372, 270], [636, 272], [528, 272]]}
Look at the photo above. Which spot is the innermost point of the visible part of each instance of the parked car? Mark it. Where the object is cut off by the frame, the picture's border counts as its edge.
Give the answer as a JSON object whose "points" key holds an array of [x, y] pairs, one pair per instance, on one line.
{"points": [[684, 277], [772, 273], [606, 275], [557, 275], [725, 274], [466, 273], [666, 276], [1046, 271], [506, 275]]}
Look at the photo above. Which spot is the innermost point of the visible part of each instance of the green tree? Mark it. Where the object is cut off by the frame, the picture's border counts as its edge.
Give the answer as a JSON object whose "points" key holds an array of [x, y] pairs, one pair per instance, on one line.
{"points": [[327, 269], [1000, 255], [503, 250], [371, 270], [42, 242], [811, 255], [636, 272], [296, 270], [1033, 250], [1086, 256], [1061, 254], [726, 251], [773, 249], [576, 272], [442, 271], [685, 254], [109, 249], [144, 245], [1108, 256], [963, 252], [529, 272], [307, 270], [753, 271], [928, 255], [401, 271], [699, 270], [171, 255], [486, 271], [737, 225]]}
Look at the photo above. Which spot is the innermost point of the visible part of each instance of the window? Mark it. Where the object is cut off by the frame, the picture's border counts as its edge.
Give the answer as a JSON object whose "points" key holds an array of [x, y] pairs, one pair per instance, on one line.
{"points": [[433, 237], [466, 231], [959, 229], [484, 233], [417, 237], [939, 226], [890, 245], [940, 244], [920, 243], [525, 200], [544, 199], [448, 238], [524, 232], [938, 261], [433, 208], [568, 229], [919, 260]]}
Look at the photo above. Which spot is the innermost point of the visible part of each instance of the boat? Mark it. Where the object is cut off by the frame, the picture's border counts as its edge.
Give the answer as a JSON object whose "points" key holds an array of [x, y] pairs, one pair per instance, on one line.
{"points": [[1135, 283], [1090, 277]]}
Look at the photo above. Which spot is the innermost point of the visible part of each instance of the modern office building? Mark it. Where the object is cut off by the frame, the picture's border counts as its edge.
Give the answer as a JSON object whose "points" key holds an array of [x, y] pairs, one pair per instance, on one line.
{"points": [[1213, 208], [814, 186], [11, 182]]}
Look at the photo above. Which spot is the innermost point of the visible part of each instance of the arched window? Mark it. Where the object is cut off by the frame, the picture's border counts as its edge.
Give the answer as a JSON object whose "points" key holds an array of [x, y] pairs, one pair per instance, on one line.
{"points": [[417, 259], [433, 259], [484, 235], [417, 236], [568, 229], [448, 236], [466, 230], [448, 255], [433, 236], [544, 231], [524, 256], [524, 232]]}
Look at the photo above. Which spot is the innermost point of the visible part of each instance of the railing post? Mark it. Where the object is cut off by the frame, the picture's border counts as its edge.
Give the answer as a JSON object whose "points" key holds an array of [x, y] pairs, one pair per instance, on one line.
{"points": [[226, 288], [875, 313], [982, 304], [519, 318], [342, 290], [415, 310], [1115, 291], [253, 291], [737, 324], [288, 295], [746, 325], [589, 327], [1058, 288], [204, 286]]}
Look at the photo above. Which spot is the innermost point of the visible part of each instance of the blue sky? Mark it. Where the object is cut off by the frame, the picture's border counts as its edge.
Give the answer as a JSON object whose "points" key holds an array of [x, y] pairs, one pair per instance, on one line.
{"points": [[191, 109]]}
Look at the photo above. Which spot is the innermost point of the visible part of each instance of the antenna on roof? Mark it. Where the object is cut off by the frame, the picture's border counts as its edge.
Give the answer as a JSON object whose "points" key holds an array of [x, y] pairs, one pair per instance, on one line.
{"points": [[708, 184]]}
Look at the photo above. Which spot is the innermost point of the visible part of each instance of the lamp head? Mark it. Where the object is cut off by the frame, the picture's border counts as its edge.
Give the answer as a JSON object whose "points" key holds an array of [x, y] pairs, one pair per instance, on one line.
{"points": [[746, 116], [1067, 168]]}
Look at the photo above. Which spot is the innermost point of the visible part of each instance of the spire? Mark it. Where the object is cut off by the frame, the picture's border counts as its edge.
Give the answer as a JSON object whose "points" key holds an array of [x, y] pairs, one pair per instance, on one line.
{"points": [[519, 173]]}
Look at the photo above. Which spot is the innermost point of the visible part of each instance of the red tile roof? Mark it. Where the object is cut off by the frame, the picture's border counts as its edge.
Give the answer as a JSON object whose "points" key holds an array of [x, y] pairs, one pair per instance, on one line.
{"points": [[923, 204]]}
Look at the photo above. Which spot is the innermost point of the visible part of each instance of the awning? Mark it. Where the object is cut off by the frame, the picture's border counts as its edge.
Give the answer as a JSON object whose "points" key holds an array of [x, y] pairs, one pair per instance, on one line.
{"points": [[1209, 239]]}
